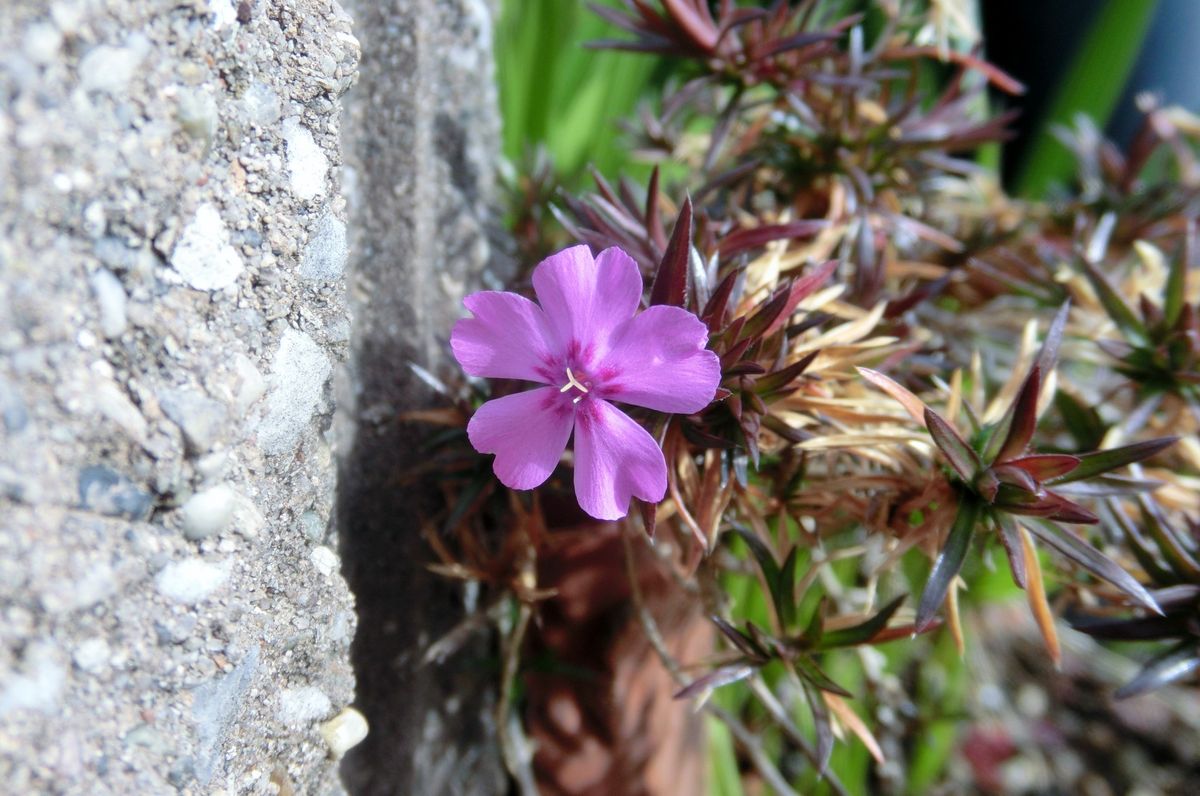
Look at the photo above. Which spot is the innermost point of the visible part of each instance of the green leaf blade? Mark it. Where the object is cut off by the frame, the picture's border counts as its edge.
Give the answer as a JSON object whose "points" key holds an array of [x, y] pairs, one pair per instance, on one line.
{"points": [[1092, 85], [949, 563], [1099, 462]]}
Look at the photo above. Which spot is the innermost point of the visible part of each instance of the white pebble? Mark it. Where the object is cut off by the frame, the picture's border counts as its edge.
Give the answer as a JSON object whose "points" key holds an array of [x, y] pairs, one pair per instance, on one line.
{"points": [[109, 69], [344, 731], [261, 105], [202, 420], [224, 13], [92, 655], [251, 384], [307, 164], [94, 586], [297, 386], [113, 404], [110, 295], [299, 706], [204, 256], [325, 256], [211, 466], [208, 513], [192, 580], [324, 559], [42, 42], [37, 684], [247, 519], [197, 114]]}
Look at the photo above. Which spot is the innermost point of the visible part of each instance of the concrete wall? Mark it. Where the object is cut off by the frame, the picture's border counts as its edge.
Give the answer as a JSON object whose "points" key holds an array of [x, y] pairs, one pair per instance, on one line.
{"points": [[422, 136], [173, 319]]}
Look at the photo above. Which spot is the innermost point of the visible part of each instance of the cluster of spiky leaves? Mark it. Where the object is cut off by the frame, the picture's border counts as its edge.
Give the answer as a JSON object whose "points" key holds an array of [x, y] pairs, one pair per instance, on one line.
{"points": [[1151, 186], [1170, 556], [1000, 485], [847, 257], [1158, 350], [798, 645], [825, 124], [1134, 216], [1145, 195]]}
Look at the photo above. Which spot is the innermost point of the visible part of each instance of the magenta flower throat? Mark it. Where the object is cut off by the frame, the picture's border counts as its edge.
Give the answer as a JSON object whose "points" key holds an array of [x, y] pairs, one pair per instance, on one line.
{"points": [[590, 347]]}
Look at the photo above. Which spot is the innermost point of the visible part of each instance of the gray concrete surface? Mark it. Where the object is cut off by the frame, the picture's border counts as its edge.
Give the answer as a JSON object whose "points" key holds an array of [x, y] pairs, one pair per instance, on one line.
{"points": [[423, 137], [173, 319]]}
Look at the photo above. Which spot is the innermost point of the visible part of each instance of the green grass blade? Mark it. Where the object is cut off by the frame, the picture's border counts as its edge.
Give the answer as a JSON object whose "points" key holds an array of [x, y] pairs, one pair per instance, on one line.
{"points": [[723, 776], [1092, 85], [556, 92]]}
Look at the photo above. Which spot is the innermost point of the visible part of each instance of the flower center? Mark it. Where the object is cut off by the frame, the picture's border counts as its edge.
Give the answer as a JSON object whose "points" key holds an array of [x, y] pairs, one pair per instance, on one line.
{"points": [[574, 384]]}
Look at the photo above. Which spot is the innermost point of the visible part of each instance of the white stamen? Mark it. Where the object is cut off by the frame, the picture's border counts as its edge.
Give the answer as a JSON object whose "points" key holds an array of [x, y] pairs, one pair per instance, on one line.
{"points": [[572, 382]]}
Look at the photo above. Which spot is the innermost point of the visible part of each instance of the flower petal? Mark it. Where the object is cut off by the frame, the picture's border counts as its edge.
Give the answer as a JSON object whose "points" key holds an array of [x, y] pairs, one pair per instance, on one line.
{"points": [[509, 338], [615, 459], [586, 299], [527, 431], [658, 360]]}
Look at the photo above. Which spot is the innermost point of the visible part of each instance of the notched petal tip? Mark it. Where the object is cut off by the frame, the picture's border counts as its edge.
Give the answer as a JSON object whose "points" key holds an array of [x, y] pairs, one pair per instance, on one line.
{"points": [[659, 361], [615, 460], [527, 431], [508, 338], [585, 298]]}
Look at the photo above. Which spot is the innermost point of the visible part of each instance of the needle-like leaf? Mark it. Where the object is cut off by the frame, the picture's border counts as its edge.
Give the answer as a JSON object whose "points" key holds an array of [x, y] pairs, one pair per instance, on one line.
{"points": [[1010, 538], [1175, 293], [670, 282], [1176, 663], [715, 679], [1092, 560], [1036, 594], [1044, 466], [1048, 357], [1098, 462], [1120, 313], [863, 632], [820, 714], [786, 589], [808, 670], [961, 456], [740, 640], [1024, 418], [911, 403], [950, 562]]}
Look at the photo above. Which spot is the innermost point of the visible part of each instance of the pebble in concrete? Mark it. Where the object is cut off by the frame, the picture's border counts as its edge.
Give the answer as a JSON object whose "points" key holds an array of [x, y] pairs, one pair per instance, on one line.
{"points": [[111, 298], [299, 706], [191, 580], [215, 706], [204, 257], [37, 685], [324, 559], [201, 419], [306, 162], [91, 656], [224, 13], [297, 384], [111, 402], [325, 257], [105, 491], [261, 105], [208, 513], [344, 731], [250, 383], [109, 69]]}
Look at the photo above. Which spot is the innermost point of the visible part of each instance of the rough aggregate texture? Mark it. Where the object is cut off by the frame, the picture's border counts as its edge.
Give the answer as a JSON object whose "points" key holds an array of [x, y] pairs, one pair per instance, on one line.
{"points": [[172, 306]]}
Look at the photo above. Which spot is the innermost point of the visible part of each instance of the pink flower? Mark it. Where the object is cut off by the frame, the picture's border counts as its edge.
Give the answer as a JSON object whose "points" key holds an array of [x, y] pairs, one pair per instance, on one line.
{"points": [[589, 345]]}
